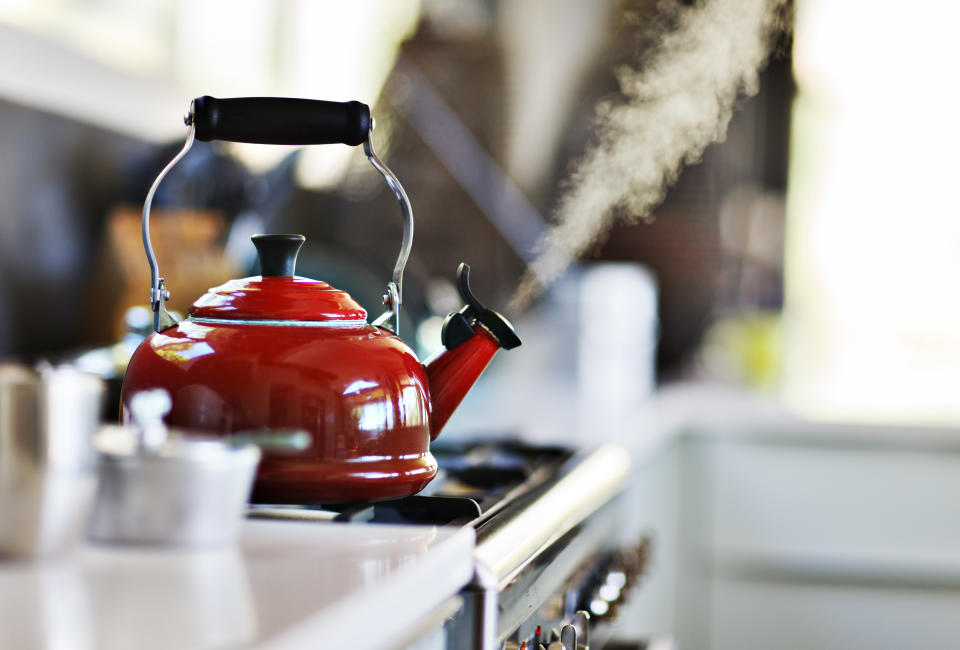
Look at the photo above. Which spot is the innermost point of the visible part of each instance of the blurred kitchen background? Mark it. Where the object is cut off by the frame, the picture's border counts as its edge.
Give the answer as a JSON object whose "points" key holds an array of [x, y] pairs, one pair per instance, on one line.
{"points": [[467, 96], [807, 263]]}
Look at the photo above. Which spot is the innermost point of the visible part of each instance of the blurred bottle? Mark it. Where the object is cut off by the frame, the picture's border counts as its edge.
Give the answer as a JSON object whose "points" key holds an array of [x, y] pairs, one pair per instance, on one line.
{"points": [[616, 347]]}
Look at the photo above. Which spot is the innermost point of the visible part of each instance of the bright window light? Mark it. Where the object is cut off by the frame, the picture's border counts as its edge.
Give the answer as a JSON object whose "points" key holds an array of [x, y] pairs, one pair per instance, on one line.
{"points": [[133, 65], [873, 236]]}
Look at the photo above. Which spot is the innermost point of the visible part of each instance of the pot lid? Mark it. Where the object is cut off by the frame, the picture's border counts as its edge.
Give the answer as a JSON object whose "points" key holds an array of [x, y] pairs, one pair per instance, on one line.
{"points": [[278, 294]]}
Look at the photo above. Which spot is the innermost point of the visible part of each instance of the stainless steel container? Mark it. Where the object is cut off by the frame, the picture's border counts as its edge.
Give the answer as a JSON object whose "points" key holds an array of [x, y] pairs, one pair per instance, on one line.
{"points": [[47, 421], [162, 488], [187, 493]]}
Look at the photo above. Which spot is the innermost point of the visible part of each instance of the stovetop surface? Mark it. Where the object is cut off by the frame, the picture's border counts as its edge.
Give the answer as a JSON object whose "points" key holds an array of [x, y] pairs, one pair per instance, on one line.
{"points": [[476, 482]]}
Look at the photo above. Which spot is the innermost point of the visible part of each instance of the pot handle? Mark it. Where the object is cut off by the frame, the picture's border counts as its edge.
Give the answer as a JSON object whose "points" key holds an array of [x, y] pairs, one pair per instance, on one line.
{"points": [[282, 120]]}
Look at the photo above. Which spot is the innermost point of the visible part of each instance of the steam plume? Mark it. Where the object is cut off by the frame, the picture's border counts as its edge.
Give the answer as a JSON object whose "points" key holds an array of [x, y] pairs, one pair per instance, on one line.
{"points": [[671, 110]]}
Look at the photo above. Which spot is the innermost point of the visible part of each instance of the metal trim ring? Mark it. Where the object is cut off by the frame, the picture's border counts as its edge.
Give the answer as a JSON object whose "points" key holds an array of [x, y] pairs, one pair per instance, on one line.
{"points": [[201, 320]]}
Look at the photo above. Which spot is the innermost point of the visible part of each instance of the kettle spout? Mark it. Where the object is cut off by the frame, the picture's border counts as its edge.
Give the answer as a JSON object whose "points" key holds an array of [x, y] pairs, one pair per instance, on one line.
{"points": [[470, 338]]}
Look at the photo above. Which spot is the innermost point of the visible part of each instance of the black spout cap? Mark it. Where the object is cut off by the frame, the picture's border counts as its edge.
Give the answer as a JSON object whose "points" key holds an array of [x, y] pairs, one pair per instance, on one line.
{"points": [[458, 326], [278, 253]]}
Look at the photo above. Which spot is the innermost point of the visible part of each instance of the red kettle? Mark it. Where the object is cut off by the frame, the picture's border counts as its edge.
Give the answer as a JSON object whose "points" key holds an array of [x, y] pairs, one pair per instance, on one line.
{"points": [[279, 351]]}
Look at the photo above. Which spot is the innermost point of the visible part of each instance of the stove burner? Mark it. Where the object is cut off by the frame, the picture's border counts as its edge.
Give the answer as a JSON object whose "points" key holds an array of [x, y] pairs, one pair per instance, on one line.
{"points": [[414, 509]]}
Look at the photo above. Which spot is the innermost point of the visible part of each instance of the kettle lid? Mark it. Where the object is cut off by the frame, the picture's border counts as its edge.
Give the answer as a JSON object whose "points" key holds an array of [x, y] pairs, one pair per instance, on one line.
{"points": [[277, 294]]}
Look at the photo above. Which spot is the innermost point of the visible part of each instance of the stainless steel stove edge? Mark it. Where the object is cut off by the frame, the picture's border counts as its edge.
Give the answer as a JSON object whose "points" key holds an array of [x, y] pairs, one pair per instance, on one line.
{"points": [[533, 532], [592, 481]]}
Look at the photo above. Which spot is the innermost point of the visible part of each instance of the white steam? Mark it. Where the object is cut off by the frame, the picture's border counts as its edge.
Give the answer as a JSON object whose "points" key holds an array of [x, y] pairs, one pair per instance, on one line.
{"points": [[680, 102]]}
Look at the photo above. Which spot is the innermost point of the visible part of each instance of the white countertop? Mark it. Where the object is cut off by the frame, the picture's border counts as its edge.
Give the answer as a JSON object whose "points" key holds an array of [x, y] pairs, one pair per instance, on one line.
{"points": [[286, 585], [734, 414]]}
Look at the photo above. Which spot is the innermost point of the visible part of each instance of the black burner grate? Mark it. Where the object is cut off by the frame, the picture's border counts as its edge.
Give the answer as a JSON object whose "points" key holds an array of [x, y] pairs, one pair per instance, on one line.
{"points": [[476, 481]]}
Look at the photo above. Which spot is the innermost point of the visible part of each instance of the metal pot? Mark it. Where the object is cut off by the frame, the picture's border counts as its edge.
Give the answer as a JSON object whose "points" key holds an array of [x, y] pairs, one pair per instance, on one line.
{"points": [[161, 487]]}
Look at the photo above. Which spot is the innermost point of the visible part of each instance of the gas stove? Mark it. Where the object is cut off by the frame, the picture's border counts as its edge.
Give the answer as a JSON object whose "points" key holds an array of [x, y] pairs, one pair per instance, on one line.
{"points": [[552, 566]]}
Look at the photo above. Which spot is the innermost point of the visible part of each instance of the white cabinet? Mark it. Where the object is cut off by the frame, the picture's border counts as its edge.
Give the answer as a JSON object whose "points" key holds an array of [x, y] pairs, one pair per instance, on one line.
{"points": [[788, 535]]}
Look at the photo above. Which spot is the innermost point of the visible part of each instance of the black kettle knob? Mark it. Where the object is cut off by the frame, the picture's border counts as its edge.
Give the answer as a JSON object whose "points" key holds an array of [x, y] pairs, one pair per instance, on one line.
{"points": [[277, 253]]}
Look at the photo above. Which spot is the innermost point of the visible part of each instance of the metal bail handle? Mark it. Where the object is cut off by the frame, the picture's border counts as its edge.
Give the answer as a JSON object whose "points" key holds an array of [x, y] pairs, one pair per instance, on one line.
{"points": [[158, 290], [393, 299], [282, 120]]}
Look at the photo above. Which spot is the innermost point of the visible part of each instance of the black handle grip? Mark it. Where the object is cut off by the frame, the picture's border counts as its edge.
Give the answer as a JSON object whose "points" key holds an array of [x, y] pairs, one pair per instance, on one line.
{"points": [[280, 120], [278, 254]]}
